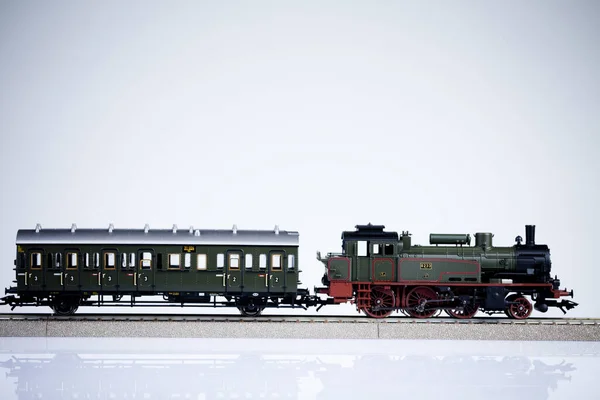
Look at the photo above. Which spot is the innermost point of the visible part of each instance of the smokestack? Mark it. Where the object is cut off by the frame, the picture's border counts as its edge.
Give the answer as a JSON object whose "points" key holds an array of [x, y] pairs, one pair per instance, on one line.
{"points": [[529, 235]]}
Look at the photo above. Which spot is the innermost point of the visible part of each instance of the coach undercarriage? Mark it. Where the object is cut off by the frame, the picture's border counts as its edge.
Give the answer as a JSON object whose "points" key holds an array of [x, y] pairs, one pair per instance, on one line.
{"points": [[248, 304]]}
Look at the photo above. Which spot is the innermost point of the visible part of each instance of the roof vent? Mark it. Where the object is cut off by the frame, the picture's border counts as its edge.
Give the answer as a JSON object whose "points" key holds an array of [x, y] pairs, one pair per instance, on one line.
{"points": [[110, 228], [73, 228], [191, 230], [38, 228], [146, 228], [276, 230], [234, 229], [174, 228], [197, 232]]}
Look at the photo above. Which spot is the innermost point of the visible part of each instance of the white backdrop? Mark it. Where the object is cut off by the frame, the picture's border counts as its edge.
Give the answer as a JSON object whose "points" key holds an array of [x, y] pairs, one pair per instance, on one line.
{"points": [[318, 116]]}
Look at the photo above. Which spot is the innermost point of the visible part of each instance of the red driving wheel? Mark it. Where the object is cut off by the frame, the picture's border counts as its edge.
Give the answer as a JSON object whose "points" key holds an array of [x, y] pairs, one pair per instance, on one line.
{"points": [[417, 301], [466, 312], [382, 303]]}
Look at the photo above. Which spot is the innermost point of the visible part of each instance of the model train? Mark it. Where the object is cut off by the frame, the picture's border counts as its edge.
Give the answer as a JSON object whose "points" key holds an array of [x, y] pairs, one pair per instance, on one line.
{"points": [[380, 272]]}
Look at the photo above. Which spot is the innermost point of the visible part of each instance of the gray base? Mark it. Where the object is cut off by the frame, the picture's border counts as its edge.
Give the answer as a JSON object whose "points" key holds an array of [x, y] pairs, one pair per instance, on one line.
{"points": [[297, 330]]}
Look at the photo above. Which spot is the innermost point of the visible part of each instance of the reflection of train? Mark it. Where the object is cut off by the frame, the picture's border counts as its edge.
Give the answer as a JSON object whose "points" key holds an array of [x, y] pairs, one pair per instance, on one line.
{"points": [[379, 271], [283, 376]]}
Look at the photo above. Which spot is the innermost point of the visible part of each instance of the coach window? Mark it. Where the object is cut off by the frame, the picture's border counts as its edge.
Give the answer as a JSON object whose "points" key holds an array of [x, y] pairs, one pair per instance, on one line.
{"points": [[123, 260], [291, 261], [262, 261], [36, 260], [131, 260], [174, 261], [248, 262], [109, 260], [187, 260], [234, 261], [276, 261], [220, 260], [87, 260], [146, 261], [388, 249], [71, 260], [201, 261], [96, 260], [58, 260]]}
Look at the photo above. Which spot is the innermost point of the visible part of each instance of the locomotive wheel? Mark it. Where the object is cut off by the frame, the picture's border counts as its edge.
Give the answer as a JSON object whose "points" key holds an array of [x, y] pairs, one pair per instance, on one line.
{"points": [[416, 301], [509, 299], [466, 312], [520, 308], [382, 302]]}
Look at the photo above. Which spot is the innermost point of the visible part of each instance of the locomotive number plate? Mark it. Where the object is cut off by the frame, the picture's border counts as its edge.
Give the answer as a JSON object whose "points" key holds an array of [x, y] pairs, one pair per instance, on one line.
{"points": [[426, 265], [189, 249]]}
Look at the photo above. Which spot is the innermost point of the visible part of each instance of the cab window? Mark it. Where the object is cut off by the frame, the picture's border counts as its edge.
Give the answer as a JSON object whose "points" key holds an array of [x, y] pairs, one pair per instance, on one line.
{"points": [[388, 249]]}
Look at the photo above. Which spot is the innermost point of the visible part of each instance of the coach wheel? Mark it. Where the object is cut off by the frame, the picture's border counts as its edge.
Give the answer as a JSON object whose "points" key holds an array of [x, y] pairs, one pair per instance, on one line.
{"points": [[520, 308], [251, 310], [251, 307], [467, 311], [64, 307], [382, 303], [417, 300]]}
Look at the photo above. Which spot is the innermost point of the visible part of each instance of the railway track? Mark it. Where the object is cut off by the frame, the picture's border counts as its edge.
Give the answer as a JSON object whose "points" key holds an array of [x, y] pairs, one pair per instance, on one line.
{"points": [[295, 319]]}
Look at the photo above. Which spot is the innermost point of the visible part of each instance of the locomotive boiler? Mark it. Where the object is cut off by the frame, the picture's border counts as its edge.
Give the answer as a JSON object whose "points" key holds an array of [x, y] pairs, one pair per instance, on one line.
{"points": [[382, 272]]}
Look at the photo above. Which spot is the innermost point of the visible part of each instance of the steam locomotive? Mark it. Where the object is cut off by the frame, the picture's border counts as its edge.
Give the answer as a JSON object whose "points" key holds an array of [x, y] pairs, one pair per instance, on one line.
{"points": [[380, 272]]}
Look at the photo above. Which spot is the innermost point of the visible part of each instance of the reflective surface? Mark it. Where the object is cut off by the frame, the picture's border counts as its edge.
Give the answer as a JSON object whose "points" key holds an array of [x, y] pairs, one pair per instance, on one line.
{"points": [[82, 368]]}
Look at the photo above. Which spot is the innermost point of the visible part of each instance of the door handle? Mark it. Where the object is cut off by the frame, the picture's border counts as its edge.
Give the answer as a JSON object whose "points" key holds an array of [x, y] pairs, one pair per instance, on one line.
{"points": [[135, 278], [26, 273], [267, 280], [223, 275], [99, 277], [61, 279]]}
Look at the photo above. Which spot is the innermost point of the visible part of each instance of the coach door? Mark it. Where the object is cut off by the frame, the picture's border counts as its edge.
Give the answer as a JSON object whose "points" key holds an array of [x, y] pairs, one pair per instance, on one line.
{"points": [[90, 276], [33, 277], [234, 271], [144, 278], [276, 271], [127, 270], [71, 273], [54, 278], [109, 270]]}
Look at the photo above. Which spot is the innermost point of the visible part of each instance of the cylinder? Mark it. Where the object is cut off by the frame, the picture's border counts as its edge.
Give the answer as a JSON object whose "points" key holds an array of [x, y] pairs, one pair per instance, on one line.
{"points": [[530, 235], [483, 239], [449, 238]]}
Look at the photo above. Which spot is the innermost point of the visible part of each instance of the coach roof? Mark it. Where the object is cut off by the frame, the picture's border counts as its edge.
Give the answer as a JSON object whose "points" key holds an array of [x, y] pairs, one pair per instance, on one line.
{"points": [[149, 236]]}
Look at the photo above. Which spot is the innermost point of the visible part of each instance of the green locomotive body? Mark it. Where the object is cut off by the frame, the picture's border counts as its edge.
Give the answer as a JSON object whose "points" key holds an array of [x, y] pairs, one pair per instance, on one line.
{"points": [[382, 271]]}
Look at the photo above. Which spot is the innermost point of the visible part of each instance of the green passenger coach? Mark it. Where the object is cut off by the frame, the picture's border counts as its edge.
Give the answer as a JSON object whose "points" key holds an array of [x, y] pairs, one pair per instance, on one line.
{"points": [[64, 268]]}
